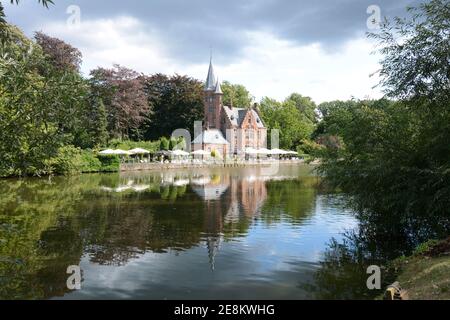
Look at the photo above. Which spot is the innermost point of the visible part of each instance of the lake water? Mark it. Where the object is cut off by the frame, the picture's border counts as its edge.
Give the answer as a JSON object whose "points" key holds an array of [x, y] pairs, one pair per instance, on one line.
{"points": [[200, 234]]}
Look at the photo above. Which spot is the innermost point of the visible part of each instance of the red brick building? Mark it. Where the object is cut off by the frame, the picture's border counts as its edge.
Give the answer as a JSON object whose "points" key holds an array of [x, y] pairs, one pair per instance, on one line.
{"points": [[228, 130]]}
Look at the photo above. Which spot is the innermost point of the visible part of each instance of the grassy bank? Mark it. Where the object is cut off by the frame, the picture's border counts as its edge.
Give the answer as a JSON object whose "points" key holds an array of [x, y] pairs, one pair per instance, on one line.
{"points": [[426, 274]]}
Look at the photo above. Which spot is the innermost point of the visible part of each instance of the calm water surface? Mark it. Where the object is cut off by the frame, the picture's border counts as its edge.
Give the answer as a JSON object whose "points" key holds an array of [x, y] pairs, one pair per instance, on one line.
{"points": [[201, 234]]}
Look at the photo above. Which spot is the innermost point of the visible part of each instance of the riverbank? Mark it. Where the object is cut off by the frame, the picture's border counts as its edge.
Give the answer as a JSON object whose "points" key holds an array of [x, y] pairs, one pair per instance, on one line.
{"points": [[426, 274], [157, 166]]}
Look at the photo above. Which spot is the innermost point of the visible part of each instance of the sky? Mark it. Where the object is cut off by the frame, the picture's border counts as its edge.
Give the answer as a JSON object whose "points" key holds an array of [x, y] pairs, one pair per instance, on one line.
{"points": [[318, 48]]}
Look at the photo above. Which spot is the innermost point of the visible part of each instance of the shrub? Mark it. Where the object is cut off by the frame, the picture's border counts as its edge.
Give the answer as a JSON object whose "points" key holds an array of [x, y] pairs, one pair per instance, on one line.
{"points": [[164, 144], [310, 148], [89, 162], [72, 160], [425, 247], [65, 162], [109, 163]]}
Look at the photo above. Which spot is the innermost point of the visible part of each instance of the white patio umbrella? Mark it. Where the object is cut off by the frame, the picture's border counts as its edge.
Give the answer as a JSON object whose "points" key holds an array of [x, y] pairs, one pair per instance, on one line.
{"points": [[180, 153], [251, 151], [139, 151], [264, 151], [278, 152], [107, 152], [201, 153], [292, 152], [121, 152]]}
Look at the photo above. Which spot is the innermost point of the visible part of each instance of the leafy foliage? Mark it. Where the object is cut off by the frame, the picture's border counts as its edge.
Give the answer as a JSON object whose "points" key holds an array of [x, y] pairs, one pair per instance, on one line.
{"points": [[122, 91], [38, 106], [286, 117], [395, 157], [62, 55], [175, 103], [236, 95], [416, 54], [306, 106], [129, 145]]}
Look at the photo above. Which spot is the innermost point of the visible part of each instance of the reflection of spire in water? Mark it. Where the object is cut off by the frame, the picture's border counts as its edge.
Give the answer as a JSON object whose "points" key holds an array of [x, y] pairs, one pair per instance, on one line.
{"points": [[213, 245], [232, 215]]}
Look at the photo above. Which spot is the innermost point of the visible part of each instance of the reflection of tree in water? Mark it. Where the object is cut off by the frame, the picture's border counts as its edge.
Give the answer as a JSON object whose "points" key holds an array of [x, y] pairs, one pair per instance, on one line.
{"points": [[37, 241], [291, 199], [124, 227], [47, 225], [380, 238]]}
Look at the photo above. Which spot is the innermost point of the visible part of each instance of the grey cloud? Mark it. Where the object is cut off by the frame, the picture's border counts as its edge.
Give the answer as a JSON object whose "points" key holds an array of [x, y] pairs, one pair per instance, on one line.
{"points": [[189, 28]]}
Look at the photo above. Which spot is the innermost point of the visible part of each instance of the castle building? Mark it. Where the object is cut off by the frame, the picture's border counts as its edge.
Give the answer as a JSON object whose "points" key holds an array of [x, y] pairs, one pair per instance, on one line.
{"points": [[227, 130]]}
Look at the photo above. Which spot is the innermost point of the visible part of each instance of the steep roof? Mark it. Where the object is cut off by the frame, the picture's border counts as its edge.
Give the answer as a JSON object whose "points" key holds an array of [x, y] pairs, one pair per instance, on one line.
{"points": [[211, 136], [237, 116], [218, 87]]}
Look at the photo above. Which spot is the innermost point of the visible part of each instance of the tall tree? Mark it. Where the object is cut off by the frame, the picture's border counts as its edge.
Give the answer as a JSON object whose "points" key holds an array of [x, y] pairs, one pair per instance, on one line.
{"points": [[62, 55], [416, 52], [305, 105], [236, 95], [122, 92], [92, 130], [175, 102], [395, 157], [36, 109], [286, 117]]}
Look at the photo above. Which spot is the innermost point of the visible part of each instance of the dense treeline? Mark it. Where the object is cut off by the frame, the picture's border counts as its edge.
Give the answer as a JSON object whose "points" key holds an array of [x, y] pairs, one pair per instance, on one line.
{"points": [[50, 114]]}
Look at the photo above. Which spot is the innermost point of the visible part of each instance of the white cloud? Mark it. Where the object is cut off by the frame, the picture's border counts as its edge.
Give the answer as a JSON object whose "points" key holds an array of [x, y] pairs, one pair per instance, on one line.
{"points": [[124, 40], [269, 67], [276, 68]]}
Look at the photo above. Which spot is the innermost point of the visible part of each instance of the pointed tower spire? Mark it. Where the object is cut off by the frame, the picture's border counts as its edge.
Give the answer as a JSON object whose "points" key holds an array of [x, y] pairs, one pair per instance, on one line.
{"points": [[210, 80], [218, 87]]}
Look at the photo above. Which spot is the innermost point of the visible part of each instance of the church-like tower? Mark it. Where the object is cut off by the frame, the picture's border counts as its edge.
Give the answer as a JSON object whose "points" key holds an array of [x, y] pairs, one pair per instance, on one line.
{"points": [[212, 100]]}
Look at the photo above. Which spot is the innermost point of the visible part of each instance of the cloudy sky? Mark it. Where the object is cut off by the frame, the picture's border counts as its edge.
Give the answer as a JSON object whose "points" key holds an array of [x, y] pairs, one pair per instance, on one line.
{"points": [[274, 47]]}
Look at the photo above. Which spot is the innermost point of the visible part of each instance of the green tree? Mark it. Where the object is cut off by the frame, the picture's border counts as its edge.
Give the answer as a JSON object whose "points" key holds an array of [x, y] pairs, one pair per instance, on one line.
{"points": [[175, 103], [37, 106], [93, 130], [286, 117], [395, 157], [236, 95], [305, 105]]}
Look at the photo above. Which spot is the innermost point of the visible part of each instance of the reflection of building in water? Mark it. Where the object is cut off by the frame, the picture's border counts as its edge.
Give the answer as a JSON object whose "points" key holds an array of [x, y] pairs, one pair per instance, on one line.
{"points": [[229, 201], [210, 191], [249, 195]]}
